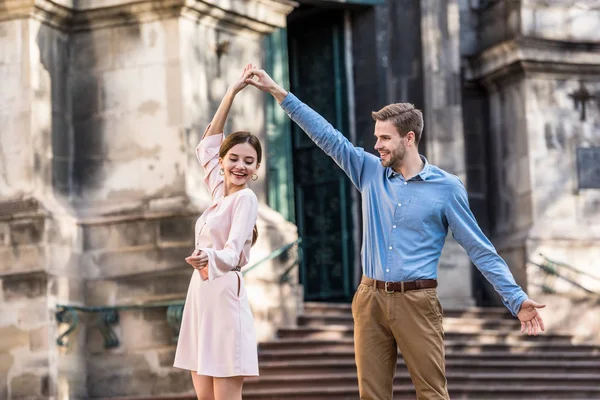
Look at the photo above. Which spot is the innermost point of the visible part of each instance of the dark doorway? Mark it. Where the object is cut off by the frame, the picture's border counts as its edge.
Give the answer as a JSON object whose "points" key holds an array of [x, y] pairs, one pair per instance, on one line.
{"points": [[322, 190]]}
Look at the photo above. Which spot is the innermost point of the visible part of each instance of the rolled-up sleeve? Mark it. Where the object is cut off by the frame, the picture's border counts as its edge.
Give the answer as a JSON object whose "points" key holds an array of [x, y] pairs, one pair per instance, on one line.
{"points": [[468, 234]]}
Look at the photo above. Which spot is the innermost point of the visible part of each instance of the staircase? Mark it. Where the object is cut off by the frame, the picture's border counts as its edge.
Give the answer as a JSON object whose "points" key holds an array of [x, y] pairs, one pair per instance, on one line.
{"points": [[486, 357]]}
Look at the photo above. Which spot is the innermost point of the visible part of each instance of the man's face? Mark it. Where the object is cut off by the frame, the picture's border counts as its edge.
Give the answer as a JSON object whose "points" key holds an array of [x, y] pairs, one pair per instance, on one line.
{"points": [[390, 146]]}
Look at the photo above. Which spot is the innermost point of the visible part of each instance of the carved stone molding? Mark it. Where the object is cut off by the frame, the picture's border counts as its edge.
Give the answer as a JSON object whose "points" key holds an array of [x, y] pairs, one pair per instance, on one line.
{"points": [[536, 56], [262, 16]]}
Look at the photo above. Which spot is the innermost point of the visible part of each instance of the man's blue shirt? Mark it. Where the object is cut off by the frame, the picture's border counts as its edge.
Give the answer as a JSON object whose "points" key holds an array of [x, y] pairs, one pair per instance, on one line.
{"points": [[405, 223]]}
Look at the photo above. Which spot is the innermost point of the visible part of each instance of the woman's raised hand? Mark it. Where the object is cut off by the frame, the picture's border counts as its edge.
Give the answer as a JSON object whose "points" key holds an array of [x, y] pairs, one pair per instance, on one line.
{"points": [[265, 83], [241, 83]]}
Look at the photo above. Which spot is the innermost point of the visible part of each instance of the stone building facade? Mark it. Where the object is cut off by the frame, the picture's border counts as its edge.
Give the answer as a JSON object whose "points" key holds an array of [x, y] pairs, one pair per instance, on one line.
{"points": [[102, 103]]}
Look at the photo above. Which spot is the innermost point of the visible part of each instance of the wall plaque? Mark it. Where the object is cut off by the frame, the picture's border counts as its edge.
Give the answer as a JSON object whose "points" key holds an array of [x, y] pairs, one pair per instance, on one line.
{"points": [[588, 167]]}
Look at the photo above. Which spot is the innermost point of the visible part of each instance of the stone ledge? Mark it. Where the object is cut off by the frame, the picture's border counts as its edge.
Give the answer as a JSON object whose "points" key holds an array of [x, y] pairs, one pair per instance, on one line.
{"points": [[264, 17], [534, 55]]}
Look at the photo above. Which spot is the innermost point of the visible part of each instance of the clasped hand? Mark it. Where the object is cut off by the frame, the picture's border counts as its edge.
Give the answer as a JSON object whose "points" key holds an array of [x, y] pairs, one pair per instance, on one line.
{"points": [[199, 260]]}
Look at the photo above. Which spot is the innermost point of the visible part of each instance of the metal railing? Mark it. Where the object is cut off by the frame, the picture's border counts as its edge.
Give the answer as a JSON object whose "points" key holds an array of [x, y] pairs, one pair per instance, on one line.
{"points": [[552, 271], [108, 316]]}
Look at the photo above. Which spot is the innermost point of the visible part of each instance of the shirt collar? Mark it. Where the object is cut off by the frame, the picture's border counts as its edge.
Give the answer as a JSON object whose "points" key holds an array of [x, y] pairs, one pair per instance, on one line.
{"points": [[424, 174]]}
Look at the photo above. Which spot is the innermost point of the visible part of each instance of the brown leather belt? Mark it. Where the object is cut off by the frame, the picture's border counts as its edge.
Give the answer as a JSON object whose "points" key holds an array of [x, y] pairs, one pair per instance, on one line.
{"points": [[391, 287]]}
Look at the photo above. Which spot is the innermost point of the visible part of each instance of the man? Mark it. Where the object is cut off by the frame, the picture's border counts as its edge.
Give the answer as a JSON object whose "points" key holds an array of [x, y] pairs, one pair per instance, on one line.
{"points": [[408, 206]]}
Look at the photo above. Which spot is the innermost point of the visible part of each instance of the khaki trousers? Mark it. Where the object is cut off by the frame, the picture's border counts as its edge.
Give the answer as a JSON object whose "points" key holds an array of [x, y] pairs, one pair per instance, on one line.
{"points": [[410, 321]]}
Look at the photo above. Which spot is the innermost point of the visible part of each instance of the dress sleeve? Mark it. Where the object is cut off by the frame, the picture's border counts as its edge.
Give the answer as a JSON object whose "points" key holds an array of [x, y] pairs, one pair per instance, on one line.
{"points": [[245, 213], [207, 154]]}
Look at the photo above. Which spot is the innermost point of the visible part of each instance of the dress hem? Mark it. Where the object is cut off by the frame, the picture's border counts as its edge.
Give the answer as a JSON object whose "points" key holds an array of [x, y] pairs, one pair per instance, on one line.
{"points": [[215, 375]]}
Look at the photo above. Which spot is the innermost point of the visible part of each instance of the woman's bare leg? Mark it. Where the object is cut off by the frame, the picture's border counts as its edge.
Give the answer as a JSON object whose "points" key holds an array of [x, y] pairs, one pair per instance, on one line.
{"points": [[203, 385], [228, 388]]}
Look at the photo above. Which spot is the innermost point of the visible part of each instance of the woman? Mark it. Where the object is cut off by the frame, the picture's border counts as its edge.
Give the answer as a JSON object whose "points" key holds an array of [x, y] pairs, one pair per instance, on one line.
{"points": [[217, 341]]}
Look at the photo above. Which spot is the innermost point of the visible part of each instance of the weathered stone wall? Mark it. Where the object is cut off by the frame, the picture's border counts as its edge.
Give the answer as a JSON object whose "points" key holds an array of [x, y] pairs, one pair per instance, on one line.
{"points": [[531, 77], [567, 220], [100, 188], [575, 21]]}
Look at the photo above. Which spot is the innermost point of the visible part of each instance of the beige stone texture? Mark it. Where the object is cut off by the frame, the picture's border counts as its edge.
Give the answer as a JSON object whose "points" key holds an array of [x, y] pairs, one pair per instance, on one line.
{"points": [[573, 315], [444, 130]]}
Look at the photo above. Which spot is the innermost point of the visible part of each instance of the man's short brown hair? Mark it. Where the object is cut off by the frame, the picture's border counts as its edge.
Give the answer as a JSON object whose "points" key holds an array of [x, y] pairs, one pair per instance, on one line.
{"points": [[404, 116]]}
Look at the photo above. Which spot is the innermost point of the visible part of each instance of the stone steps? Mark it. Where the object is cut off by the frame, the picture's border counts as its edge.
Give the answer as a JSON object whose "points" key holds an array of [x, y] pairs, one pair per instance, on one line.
{"points": [[473, 345], [402, 378], [486, 358], [460, 364], [402, 392], [336, 332], [456, 392]]}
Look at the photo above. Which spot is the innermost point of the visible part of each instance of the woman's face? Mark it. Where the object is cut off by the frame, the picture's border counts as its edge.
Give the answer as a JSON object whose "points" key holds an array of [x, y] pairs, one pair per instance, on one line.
{"points": [[239, 164]]}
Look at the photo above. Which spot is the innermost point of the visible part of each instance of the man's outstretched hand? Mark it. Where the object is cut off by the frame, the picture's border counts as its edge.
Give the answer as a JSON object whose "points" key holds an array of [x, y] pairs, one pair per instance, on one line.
{"points": [[531, 320], [260, 79]]}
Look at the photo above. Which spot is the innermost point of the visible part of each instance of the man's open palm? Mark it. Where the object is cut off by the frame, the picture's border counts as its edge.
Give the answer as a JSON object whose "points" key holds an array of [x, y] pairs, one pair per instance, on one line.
{"points": [[531, 320]]}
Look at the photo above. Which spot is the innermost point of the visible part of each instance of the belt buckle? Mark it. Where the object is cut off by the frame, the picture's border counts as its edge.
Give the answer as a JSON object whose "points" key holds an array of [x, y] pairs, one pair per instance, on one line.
{"points": [[386, 288]]}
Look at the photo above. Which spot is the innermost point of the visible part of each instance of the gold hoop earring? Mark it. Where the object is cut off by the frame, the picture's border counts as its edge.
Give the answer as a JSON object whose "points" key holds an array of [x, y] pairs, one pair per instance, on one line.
{"points": [[254, 177], [221, 172]]}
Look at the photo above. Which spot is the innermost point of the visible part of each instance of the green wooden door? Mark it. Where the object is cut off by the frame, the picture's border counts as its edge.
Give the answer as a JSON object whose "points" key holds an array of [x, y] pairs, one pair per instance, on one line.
{"points": [[322, 190]]}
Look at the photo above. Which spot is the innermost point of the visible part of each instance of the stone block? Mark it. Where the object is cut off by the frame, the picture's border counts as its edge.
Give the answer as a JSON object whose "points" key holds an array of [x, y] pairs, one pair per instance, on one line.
{"points": [[119, 375], [89, 138], [39, 339], [166, 356], [29, 385], [91, 50], [24, 286], [139, 333], [61, 172], [177, 381], [177, 230], [61, 138], [158, 314], [33, 314], [4, 234], [6, 363], [177, 283], [21, 259], [128, 89], [12, 337], [13, 93], [101, 293], [145, 44], [8, 314], [85, 96], [16, 147], [36, 362], [120, 235], [123, 263], [12, 41], [26, 232]]}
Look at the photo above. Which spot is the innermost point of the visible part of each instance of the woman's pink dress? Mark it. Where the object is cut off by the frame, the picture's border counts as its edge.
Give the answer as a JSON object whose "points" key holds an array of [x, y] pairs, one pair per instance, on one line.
{"points": [[217, 336]]}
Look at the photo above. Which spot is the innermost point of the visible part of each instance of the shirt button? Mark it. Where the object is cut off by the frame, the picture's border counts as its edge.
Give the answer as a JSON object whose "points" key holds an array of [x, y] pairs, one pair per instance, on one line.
{"points": [[387, 270], [406, 183], [394, 226], [390, 247], [399, 204]]}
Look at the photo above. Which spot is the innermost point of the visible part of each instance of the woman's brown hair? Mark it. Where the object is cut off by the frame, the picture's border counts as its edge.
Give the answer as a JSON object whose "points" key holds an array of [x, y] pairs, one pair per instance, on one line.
{"points": [[241, 137]]}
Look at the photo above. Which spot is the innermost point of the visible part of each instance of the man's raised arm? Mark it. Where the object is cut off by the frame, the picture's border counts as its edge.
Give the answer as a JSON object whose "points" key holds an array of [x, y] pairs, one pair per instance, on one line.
{"points": [[353, 160]]}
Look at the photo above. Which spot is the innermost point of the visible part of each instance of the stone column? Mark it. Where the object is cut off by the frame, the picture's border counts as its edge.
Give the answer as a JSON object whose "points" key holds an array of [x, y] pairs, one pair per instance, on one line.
{"points": [[443, 133], [534, 76]]}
